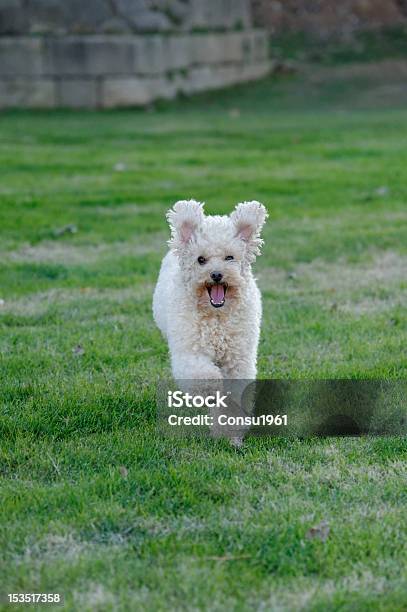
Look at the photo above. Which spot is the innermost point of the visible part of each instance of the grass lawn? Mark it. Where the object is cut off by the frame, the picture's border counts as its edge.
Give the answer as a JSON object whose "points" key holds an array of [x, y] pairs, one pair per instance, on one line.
{"points": [[95, 504]]}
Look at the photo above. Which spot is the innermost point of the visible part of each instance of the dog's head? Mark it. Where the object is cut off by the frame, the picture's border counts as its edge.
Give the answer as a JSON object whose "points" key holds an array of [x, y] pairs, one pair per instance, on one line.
{"points": [[215, 252]]}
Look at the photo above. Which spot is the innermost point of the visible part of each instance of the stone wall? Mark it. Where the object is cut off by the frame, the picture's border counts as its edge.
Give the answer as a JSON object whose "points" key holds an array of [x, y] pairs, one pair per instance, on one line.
{"points": [[121, 16], [109, 70], [107, 53]]}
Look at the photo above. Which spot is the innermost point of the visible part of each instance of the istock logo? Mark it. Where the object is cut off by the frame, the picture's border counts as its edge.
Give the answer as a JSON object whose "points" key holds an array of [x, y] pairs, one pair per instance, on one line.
{"points": [[177, 399]]}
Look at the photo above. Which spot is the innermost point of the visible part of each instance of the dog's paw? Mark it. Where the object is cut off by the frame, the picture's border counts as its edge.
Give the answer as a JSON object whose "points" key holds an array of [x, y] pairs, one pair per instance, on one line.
{"points": [[237, 442]]}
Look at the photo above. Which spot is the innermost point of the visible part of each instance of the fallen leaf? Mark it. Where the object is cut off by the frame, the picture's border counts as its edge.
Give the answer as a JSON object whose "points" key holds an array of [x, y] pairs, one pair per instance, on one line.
{"points": [[66, 229], [228, 558], [54, 464], [123, 472], [382, 191], [78, 350], [319, 532]]}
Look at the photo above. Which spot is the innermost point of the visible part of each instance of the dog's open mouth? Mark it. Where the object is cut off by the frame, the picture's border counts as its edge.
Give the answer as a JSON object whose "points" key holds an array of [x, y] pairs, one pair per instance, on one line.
{"points": [[217, 294]]}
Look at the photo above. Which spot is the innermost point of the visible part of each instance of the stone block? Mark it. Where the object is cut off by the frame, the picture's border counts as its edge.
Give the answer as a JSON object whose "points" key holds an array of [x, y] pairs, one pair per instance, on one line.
{"points": [[176, 10], [115, 25], [164, 88], [67, 16], [176, 52], [230, 14], [215, 77], [135, 91], [157, 54], [130, 91], [13, 19], [217, 48], [229, 75], [77, 93], [206, 49], [241, 15], [141, 17], [260, 45], [202, 78], [248, 48], [219, 15], [110, 55], [27, 93], [255, 46], [149, 55], [21, 56], [254, 71], [66, 56], [232, 48], [89, 55]]}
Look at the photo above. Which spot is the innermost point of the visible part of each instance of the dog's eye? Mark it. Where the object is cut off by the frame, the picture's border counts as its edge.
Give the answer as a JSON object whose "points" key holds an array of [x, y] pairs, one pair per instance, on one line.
{"points": [[201, 260], [229, 258]]}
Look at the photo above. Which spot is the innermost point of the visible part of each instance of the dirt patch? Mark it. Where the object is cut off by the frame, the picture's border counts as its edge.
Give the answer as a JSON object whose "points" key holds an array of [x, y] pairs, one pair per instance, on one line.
{"points": [[129, 209], [384, 270], [374, 305], [302, 593], [94, 597], [70, 254], [39, 303], [55, 546]]}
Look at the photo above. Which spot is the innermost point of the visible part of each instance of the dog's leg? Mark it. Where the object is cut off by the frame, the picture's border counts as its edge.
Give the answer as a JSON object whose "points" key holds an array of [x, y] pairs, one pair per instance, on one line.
{"points": [[239, 375], [244, 369], [198, 375], [194, 366]]}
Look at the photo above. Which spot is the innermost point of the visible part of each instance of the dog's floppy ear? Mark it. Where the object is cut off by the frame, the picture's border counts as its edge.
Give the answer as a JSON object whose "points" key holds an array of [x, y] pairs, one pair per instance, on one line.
{"points": [[184, 219], [249, 218]]}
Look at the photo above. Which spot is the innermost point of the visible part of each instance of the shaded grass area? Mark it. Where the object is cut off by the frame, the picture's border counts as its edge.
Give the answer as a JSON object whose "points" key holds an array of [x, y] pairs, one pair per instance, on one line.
{"points": [[95, 505], [364, 46]]}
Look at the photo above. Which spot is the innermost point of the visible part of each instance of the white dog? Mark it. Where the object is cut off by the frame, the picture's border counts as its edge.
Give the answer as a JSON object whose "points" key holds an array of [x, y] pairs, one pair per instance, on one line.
{"points": [[206, 302]]}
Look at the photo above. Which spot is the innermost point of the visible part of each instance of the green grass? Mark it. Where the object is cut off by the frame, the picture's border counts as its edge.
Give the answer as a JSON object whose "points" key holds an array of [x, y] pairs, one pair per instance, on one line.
{"points": [[362, 46], [94, 503]]}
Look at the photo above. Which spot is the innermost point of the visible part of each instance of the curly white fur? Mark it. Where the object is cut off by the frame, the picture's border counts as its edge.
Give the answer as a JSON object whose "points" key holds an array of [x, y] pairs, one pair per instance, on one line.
{"points": [[208, 342]]}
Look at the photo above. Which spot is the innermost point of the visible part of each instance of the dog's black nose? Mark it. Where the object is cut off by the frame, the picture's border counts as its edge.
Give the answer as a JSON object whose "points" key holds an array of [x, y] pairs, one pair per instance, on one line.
{"points": [[216, 276]]}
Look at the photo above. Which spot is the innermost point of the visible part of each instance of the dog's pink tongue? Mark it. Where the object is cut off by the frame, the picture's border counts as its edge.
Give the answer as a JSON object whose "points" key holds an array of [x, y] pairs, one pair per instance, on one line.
{"points": [[217, 294]]}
